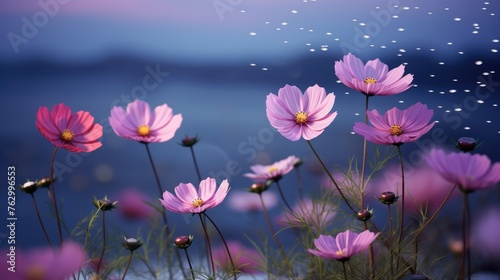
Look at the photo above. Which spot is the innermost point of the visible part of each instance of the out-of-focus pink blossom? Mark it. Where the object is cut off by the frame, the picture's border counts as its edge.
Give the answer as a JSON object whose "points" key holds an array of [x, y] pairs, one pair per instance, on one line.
{"points": [[273, 172], [246, 260], [250, 202], [133, 205]]}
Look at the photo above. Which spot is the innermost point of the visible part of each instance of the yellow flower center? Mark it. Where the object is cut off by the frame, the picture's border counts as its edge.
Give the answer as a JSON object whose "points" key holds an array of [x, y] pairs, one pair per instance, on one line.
{"points": [[370, 80], [301, 117], [35, 272], [143, 130], [198, 202], [340, 252], [272, 169], [396, 130], [67, 135]]}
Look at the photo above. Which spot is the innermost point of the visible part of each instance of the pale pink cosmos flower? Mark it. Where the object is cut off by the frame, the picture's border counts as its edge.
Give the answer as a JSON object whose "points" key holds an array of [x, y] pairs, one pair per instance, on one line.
{"points": [[372, 78], [344, 246], [190, 200], [273, 172], [425, 189], [138, 123], [250, 202], [470, 172], [246, 260], [45, 263], [74, 132], [298, 116], [396, 127], [133, 205]]}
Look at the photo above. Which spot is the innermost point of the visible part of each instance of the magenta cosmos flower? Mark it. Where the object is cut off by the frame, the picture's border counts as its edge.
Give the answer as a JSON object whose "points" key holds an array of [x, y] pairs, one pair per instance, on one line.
{"points": [[470, 172], [74, 132], [344, 246], [298, 116], [272, 172], [140, 124], [372, 78], [396, 127], [45, 263], [189, 200]]}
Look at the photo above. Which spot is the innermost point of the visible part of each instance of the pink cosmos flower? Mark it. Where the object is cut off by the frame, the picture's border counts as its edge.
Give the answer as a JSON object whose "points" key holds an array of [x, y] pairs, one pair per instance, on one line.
{"points": [[372, 78], [396, 127], [250, 202], [298, 116], [45, 263], [74, 132], [140, 124], [133, 205], [189, 200], [271, 172], [246, 260], [470, 172], [424, 187], [306, 212], [344, 246]]}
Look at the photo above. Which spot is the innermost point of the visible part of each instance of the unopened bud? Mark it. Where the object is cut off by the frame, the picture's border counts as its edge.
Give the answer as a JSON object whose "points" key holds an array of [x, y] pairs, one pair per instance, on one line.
{"points": [[364, 214], [388, 197], [258, 188], [183, 242], [466, 144], [29, 187], [132, 244], [104, 204]]}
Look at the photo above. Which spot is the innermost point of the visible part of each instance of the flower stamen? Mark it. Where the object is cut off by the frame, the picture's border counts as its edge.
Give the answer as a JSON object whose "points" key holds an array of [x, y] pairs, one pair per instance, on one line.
{"points": [[370, 80], [143, 130], [198, 202], [396, 130], [301, 117], [67, 135], [272, 169]]}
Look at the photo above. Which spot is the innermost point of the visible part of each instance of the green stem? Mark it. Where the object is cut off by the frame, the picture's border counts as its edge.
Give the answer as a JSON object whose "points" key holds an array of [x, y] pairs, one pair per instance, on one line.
{"points": [[283, 197], [402, 221], [189, 262], [195, 164], [345, 271], [41, 222], [299, 183], [363, 162], [391, 233], [331, 177], [270, 225], [103, 241], [207, 239], [128, 264], [53, 197], [225, 244]]}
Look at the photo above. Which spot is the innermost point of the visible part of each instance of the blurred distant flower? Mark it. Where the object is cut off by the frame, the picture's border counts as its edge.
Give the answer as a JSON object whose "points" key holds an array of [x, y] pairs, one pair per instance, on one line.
{"points": [[470, 172], [250, 202], [298, 116], [45, 263], [372, 78], [396, 127], [246, 260], [133, 205], [189, 200], [272, 172], [140, 124], [486, 243], [74, 132], [316, 214], [344, 246], [424, 187]]}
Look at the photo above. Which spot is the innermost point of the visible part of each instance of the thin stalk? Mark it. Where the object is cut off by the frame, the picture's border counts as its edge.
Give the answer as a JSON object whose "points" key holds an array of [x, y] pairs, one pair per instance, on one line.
{"points": [[345, 271], [41, 222], [53, 196], [372, 258], [428, 222], [195, 164], [331, 177], [164, 215], [391, 242], [402, 221], [270, 225], [283, 197], [363, 162], [299, 184], [103, 241], [465, 238], [189, 262], [225, 244], [128, 264], [207, 239]]}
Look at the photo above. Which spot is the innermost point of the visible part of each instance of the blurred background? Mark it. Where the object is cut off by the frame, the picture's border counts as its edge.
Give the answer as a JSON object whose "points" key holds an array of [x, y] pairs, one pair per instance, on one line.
{"points": [[214, 61]]}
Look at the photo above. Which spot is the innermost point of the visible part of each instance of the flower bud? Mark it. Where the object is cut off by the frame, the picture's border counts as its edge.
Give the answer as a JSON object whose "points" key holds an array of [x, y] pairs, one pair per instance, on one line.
{"points": [[104, 204], [29, 187], [183, 242], [364, 214], [45, 182], [388, 197], [466, 144], [132, 244], [258, 188], [189, 141]]}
